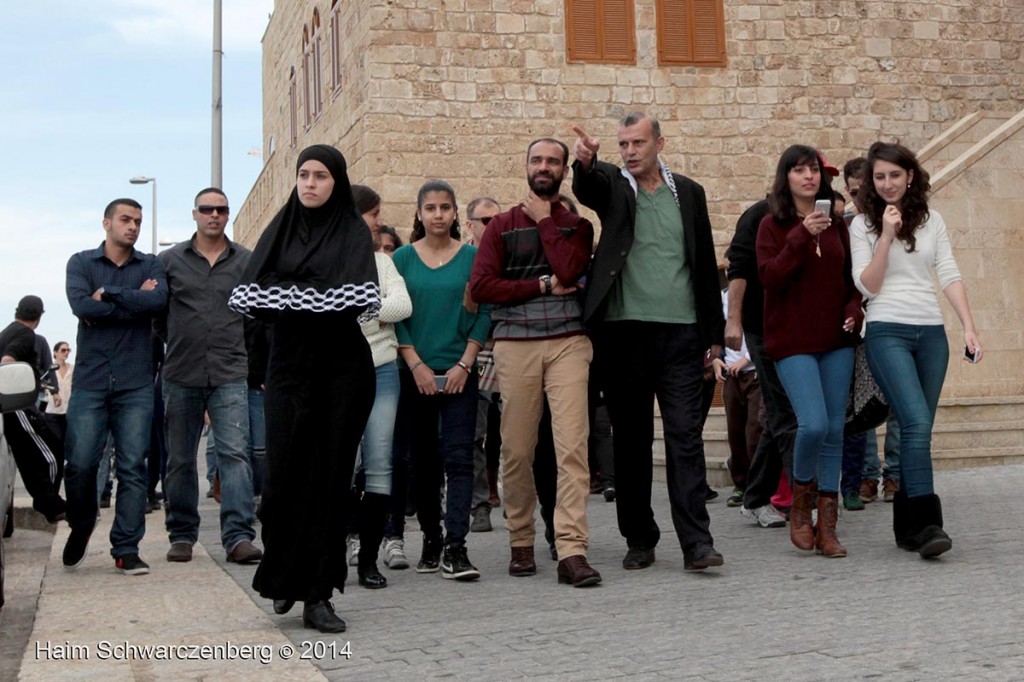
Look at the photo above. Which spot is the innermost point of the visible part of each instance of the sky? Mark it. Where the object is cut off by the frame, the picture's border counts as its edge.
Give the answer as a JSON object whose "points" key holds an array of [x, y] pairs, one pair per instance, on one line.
{"points": [[94, 93]]}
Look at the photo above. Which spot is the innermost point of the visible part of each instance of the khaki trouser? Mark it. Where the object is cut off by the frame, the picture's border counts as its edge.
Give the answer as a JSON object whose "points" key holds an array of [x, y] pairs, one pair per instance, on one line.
{"points": [[527, 371]]}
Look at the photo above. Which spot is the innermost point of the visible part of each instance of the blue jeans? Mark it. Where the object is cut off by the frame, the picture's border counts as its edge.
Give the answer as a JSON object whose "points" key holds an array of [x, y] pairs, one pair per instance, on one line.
{"points": [[909, 363], [92, 415], [872, 465], [380, 431], [256, 445], [441, 444], [818, 386], [228, 406]]}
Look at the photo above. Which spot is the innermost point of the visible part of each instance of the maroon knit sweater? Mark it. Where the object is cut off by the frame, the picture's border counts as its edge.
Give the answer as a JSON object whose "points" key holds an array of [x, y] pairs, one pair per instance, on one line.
{"points": [[806, 297]]}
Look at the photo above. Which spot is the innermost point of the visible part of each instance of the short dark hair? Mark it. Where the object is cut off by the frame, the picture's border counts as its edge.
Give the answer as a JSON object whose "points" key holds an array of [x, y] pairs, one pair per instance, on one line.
{"points": [[391, 232], [551, 140], [366, 199], [209, 190], [781, 199], [634, 117], [108, 212], [855, 168]]}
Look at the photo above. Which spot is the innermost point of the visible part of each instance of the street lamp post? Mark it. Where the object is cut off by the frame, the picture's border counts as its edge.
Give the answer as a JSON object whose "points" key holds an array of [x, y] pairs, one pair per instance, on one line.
{"points": [[142, 180]]}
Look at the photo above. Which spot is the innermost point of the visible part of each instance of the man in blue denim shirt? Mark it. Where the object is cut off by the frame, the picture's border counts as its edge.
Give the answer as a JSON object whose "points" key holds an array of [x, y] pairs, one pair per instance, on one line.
{"points": [[205, 371], [114, 291]]}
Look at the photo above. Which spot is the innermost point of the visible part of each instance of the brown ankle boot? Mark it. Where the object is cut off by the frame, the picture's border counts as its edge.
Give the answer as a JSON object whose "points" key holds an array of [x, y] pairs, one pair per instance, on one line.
{"points": [[801, 531], [826, 541]]}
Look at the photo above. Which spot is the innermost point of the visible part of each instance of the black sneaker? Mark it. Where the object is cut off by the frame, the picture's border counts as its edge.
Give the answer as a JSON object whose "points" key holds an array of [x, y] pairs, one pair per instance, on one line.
{"points": [[74, 548], [131, 564], [430, 559], [455, 564]]}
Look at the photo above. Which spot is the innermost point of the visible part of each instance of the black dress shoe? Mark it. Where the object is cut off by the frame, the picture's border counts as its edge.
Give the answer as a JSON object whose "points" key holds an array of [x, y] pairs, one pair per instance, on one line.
{"points": [[371, 579], [704, 556], [282, 606], [320, 615], [637, 558]]}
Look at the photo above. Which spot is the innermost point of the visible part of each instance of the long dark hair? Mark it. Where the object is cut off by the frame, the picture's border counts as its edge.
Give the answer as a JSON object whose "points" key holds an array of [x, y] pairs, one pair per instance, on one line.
{"points": [[419, 231], [780, 200], [913, 208]]}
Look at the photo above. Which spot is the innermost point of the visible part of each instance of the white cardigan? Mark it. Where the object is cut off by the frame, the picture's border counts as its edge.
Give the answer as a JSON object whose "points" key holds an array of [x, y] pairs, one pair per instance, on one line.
{"points": [[908, 293], [395, 305]]}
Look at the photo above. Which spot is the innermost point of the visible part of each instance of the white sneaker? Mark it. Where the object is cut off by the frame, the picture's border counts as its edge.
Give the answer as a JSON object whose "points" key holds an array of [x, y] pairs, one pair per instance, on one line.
{"points": [[394, 554], [353, 550], [766, 516]]}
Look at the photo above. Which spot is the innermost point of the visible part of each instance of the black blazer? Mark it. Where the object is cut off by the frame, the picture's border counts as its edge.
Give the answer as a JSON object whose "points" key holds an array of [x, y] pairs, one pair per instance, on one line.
{"points": [[605, 191]]}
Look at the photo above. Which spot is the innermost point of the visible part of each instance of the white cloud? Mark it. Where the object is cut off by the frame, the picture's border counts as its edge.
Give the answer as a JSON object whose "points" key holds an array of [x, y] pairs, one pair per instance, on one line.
{"points": [[169, 24]]}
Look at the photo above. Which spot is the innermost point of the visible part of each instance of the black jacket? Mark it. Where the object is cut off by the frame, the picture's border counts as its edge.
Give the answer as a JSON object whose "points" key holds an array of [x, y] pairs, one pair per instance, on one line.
{"points": [[609, 194]]}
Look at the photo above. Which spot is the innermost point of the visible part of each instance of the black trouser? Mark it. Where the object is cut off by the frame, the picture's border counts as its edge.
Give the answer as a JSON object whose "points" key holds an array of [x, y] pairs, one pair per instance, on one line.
{"points": [[39, 455], [600, 453], [641, 360], [775, 449]]}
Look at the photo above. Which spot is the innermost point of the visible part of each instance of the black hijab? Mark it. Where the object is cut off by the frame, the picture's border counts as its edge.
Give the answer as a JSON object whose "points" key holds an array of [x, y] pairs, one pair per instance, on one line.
{"points": [[313, 259]]}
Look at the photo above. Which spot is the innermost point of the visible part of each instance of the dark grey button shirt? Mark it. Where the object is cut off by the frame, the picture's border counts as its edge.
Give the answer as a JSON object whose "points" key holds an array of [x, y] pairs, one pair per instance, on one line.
{"points": [[205, 339]]}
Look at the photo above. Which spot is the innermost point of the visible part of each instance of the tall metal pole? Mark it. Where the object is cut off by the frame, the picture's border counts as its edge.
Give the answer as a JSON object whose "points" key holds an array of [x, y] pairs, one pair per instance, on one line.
{"points": [[216, 173], [155, 243]]}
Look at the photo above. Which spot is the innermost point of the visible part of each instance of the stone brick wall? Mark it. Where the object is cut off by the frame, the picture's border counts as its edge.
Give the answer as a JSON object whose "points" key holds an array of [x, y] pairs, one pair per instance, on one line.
{"points": [[456, 89]]}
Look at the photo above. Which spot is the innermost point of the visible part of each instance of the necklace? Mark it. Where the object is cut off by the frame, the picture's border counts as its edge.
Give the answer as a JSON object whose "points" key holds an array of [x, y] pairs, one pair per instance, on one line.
{"points": [[817, 245]]}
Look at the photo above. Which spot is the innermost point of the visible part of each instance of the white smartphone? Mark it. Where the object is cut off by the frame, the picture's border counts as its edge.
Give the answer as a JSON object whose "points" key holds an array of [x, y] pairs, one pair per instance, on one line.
{"points": [[823, 205]]}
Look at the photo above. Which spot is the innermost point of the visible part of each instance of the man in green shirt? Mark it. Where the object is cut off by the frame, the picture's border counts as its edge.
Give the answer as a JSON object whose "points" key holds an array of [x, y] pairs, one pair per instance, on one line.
{"points": [[653, 306]]}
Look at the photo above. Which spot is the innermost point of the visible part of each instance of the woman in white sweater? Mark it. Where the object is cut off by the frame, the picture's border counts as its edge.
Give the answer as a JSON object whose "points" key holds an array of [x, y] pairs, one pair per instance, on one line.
{"points": [[896, 244], [395, 305]]}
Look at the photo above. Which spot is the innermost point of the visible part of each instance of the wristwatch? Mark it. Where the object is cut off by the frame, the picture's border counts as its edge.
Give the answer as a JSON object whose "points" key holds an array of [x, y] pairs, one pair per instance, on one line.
{"points": [[546, 279]]}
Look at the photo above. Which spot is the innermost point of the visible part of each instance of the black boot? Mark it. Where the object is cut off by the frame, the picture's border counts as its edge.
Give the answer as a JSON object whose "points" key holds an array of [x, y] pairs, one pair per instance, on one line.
{"points": [[320, 615], [372, 516], [901, 521], [925, 534]]}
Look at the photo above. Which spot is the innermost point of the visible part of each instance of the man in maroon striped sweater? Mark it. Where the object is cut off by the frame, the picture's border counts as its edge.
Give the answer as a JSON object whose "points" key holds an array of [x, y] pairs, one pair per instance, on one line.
{"points": [[528, 266]]}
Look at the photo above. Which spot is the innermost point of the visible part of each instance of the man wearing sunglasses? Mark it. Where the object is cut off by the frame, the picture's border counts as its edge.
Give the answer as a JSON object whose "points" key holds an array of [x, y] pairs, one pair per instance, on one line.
{"points": [[205, 370]]}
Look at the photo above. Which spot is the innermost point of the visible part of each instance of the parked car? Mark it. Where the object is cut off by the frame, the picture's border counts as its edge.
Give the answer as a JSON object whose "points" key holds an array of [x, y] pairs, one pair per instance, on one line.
{"points": [[18, 391]]}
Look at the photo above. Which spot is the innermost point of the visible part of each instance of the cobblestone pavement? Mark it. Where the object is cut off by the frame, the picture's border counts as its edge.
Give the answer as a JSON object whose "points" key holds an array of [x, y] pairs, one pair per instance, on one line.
{"points": [[771, 613]]}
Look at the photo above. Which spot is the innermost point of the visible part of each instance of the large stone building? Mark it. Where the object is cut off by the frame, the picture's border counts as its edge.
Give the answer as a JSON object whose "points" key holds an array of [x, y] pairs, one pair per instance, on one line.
{"points": [[415, 89]]}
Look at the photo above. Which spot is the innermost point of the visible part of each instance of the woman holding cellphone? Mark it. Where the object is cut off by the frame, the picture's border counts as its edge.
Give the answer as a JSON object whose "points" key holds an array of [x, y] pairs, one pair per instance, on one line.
{"points": [[812, 313], [438, 345], [898, 242]]}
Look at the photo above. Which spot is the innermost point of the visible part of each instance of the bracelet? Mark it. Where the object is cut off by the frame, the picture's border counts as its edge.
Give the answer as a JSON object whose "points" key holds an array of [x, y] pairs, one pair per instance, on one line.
{"points": [[464, 366], [416, 365]]}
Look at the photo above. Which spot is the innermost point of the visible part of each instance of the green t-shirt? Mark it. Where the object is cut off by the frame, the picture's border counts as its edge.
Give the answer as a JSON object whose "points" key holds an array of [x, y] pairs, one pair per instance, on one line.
{"points": [[440, 326], [655, 284]]}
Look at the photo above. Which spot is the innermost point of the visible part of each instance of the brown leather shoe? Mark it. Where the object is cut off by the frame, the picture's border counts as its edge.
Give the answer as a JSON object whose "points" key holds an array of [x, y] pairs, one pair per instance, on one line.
{"points": [[245, 553], [180, 552], [826, 541], [522, 563], [801, 531], [576, 571]]}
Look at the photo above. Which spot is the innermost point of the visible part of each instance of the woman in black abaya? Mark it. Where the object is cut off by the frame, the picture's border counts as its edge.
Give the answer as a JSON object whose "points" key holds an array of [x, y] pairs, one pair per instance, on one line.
{"points": [[313, 274]]}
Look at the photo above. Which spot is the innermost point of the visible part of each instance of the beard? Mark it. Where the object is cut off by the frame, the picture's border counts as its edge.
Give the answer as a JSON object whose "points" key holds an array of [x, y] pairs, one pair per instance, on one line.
{"points": [[551, 189]]}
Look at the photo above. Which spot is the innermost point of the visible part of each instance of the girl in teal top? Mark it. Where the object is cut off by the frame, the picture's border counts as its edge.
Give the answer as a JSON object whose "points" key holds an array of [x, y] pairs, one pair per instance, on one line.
{"points": [[438, 345]]}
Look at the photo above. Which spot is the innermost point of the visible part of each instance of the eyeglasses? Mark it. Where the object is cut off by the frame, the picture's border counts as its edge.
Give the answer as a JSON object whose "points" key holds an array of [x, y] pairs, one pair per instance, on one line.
{"points": [[483, 221], [209, 210], [64, 350]]}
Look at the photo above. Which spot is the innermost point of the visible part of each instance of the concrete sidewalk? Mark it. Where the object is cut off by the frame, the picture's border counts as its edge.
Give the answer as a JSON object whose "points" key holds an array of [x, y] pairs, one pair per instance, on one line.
{"points": [[772, 612]]}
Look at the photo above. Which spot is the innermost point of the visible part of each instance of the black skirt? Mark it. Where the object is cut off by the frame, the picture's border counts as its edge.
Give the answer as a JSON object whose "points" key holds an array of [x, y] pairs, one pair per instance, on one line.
{"points": [[320, 389]]}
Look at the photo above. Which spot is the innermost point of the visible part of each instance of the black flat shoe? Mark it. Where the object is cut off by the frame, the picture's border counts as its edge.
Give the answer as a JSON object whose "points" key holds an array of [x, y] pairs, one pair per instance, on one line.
{"points": [[372, 579], [320, 615], [282, 606]]}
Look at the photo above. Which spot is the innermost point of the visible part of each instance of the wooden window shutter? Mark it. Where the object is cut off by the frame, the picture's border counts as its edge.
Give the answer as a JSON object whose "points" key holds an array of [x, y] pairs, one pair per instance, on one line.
{"points": [[600, 31], [691, 32]]}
